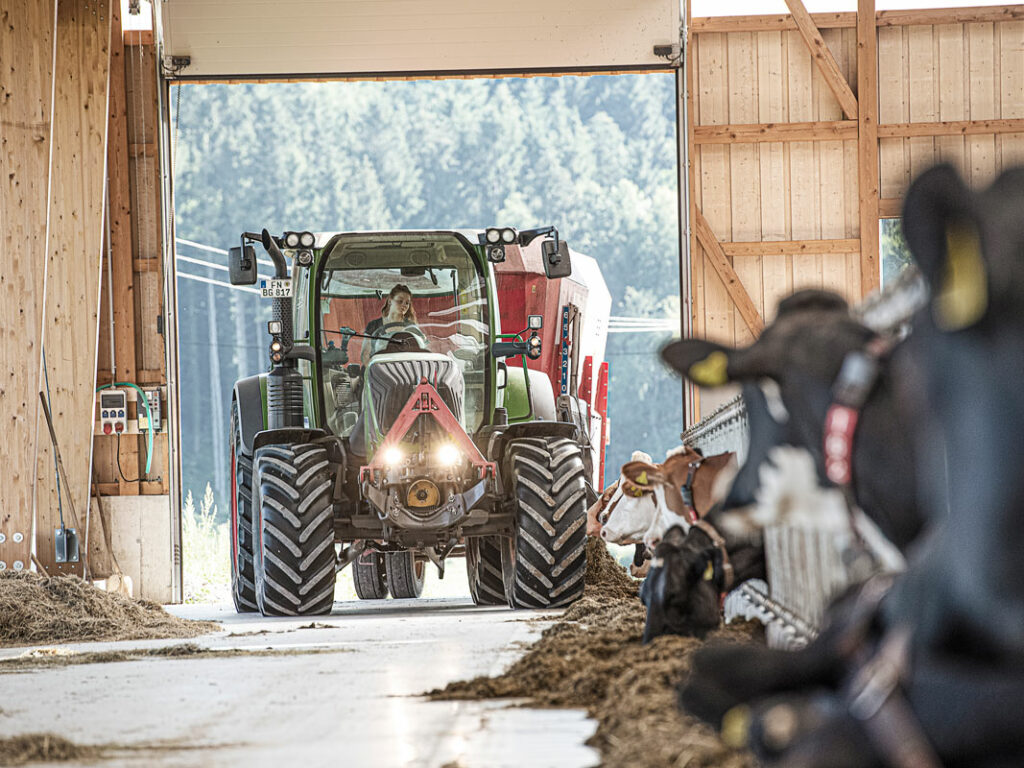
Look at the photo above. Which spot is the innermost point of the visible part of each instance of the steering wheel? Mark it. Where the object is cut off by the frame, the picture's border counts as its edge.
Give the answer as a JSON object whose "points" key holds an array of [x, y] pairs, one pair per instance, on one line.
{"points": [[408, 337]]}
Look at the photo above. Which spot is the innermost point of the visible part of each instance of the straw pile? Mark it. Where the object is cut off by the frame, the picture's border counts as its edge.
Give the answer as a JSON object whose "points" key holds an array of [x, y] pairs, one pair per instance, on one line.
{"points": [[35, 610], [592, 659]]}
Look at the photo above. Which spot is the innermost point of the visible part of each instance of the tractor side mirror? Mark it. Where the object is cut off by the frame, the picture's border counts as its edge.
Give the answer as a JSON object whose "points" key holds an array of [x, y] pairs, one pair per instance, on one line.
{"points": [[242, 267], [500, 349], [556, 259]]}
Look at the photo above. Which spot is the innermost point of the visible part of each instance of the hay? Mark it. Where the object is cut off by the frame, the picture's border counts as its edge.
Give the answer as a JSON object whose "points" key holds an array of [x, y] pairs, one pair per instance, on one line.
{"points": [[43, 748], [42, 658], [35, 609], [592, 659]]}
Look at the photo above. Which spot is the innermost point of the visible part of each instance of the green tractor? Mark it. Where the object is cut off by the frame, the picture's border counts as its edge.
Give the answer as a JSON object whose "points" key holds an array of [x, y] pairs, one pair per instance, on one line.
{"points": [[381, 436]]}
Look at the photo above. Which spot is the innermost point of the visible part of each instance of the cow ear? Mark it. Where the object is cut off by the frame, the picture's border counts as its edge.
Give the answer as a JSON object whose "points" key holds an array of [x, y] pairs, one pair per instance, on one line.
{"points": [[703, 362], [941, 229], [675, 537], [812, 299]]}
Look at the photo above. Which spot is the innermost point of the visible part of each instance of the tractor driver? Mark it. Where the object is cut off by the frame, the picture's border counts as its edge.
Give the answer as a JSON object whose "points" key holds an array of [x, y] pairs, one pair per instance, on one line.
{"points": [[396, 314]]}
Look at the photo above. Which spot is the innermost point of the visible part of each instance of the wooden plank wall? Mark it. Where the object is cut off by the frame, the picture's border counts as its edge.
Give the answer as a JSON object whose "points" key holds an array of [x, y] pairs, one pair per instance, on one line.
{"points": [[73, 262], [136, 266], [776, 164], [26, 79]]}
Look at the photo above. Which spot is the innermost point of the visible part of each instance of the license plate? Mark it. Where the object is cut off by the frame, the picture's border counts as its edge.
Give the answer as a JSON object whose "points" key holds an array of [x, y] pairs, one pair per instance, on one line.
{"points": [[275, 289]]}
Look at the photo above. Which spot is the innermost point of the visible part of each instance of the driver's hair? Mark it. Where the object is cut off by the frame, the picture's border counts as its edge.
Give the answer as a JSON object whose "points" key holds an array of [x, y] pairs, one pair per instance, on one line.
{"points": [[410, 315]]}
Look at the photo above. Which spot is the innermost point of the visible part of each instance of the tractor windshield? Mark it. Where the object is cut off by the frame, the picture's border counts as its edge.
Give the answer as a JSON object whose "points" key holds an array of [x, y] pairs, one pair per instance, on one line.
{"points": [[414, 294]]}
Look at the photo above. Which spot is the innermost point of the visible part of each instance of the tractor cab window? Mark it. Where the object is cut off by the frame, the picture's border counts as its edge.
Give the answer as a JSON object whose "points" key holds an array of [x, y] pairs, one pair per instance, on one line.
{"points": [[385, 295]]}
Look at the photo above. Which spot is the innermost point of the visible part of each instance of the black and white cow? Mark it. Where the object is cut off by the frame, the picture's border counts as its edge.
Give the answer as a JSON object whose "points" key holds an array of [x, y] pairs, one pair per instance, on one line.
{"points": [[788, 377], [931, 672]]}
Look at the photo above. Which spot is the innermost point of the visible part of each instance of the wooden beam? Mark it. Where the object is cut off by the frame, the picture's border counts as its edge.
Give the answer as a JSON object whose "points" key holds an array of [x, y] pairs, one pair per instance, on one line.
{"points": [[890, 207], [772, 23], [837, 20], [824, 59], [123, 288], [951, 128], [145, 149], [146, 265], [930, 16], [788, 247], [867, 144], [824, 130], [716, 255], [74, 255], [138, 37], [26, 78]]}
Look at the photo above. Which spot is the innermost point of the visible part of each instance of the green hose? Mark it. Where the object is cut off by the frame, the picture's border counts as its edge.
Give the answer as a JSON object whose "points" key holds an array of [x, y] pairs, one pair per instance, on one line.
{"points": [[149, 420]]}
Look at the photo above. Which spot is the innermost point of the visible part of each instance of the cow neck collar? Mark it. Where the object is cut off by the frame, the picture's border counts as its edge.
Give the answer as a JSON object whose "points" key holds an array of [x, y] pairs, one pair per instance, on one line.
{"points": [[719, 542], [687, 487], [857, 377]]}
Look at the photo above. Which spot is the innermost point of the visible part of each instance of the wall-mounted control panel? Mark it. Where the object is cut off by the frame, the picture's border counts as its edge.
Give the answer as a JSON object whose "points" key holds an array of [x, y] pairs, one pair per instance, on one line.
{"points": [[113, 411], [153, 398]]}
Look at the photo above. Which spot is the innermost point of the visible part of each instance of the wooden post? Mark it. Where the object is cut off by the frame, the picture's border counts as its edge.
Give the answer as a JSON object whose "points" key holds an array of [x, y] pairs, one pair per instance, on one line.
{"points": [[867, 144], [823, 57], [73, 257], [122, 266], [26, 80]]}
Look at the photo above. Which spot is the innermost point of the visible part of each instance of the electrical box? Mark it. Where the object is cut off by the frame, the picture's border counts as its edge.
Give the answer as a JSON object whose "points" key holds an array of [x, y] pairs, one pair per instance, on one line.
{"points": [[153, 398], [113, 411]]}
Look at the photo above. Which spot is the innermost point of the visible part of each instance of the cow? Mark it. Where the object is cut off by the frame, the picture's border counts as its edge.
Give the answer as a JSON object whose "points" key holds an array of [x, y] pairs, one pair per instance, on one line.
{"points": [[651, 498], [929, 671], [784, 480]]}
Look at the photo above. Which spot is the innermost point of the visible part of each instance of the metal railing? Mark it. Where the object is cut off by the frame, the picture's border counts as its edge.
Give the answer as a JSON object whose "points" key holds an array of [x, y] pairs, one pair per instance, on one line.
{"points": [[805, 565]]}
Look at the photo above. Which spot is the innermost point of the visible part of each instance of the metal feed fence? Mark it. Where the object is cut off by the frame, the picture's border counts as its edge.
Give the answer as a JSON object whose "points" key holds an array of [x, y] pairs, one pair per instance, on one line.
{"points": [[805, 565]]}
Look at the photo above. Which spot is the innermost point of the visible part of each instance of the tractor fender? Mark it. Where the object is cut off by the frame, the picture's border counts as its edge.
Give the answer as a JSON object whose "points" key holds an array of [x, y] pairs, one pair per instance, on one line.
{"points": [[540, 429], [248, 393], [541, 403], [286, 435]]}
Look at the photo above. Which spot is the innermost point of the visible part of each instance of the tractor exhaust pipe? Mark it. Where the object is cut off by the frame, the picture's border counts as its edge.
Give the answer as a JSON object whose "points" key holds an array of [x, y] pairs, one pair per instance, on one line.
{"points": [[284, 382]]}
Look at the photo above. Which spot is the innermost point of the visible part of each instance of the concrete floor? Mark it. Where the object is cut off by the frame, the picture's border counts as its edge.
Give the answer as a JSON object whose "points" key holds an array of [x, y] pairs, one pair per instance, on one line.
{"points": [[359, 707]]}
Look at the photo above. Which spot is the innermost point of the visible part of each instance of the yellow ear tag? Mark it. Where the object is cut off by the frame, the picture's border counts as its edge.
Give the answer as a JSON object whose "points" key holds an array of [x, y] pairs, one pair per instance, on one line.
{"points": [[710, 372], [963, 295], [709, 572], [641, 479]]}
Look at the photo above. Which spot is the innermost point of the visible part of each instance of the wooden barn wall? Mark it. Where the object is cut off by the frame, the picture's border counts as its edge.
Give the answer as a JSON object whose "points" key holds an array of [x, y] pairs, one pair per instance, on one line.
{"points": [[782, 191], [76, 226], [26, 78], [136, 269], [950, 73], [775, 161]]}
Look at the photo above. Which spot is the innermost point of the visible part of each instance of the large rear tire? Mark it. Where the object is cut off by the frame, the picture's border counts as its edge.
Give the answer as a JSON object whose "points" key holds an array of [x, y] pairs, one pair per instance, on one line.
{"points": [[369, 575], [294, 564], [483, 568], [545, 566], [406, 574], [243, 586]]}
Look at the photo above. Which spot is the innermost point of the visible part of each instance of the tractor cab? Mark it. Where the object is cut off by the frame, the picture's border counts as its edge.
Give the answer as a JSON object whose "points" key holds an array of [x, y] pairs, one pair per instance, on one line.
{"points": [[442, 331]]}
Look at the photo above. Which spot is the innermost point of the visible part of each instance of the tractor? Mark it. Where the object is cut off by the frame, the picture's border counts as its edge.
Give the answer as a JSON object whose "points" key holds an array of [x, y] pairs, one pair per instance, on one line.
{"points": [[387, 442]]}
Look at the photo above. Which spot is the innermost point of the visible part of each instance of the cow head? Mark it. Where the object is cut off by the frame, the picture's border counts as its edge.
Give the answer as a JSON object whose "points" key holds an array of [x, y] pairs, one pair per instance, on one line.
{"points": [[682, 590], [635, 503]]}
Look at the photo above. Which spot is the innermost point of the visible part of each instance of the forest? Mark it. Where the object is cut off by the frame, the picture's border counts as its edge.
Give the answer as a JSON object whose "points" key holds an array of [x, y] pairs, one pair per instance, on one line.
{"points": [[595, 156]]}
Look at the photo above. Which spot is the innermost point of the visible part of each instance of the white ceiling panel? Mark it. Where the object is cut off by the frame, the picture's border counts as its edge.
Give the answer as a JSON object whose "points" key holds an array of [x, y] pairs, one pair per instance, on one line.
{"points": [[270, 38]]}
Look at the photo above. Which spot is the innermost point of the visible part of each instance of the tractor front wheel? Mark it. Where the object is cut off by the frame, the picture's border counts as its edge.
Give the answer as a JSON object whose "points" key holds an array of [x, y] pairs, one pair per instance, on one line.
{"points": [[294, 561], [545, 566]]}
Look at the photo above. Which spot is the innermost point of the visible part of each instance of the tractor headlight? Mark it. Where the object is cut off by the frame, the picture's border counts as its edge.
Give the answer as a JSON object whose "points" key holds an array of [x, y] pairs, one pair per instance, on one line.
{"points": [[393, 456], [508, 235], [291, 239], [304, 258], [448, 454], [275, 346], [306, 239], [493, 235]]}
